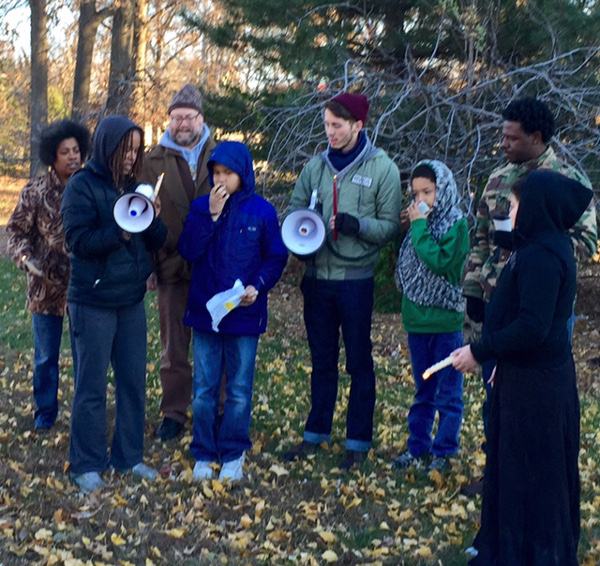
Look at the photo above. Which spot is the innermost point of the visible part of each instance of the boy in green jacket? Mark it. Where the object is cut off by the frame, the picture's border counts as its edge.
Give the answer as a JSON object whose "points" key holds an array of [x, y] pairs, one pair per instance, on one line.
{"points": [[429, 269]]}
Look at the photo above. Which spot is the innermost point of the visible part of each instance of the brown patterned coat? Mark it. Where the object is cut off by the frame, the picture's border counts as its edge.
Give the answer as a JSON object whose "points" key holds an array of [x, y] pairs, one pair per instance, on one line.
{"points": [[35, 230]]}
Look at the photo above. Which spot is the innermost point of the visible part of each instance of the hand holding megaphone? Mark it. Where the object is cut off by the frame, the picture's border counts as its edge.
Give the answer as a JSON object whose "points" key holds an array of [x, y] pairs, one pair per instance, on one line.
{"points": [[134, 212], [303, 231]]}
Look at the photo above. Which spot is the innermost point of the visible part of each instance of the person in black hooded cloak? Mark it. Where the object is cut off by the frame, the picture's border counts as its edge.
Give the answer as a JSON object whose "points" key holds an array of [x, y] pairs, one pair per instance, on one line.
{"points": [[530, 507]]}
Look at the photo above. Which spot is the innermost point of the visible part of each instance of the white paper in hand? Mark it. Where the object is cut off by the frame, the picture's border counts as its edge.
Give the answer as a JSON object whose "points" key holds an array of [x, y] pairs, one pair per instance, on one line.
{"points": [[224, 302]]}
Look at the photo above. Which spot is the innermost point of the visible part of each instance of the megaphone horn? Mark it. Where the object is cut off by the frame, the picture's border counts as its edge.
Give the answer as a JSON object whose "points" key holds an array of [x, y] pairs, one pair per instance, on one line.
{"points": [[134, 212], [303, 232]]}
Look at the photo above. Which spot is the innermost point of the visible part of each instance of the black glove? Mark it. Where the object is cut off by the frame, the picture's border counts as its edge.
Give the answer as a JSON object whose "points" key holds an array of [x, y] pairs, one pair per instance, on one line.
{"points": [[476, 309], [503, 240], [346, 224]]}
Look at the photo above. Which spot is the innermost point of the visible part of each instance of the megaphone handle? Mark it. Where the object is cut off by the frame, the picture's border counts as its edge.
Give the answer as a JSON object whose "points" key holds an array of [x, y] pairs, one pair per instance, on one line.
{"points": [[335, 205]]}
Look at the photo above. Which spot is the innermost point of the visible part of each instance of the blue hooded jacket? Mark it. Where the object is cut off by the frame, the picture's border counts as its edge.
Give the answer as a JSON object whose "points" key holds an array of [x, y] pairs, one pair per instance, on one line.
{"points": [[243, 243], [107, 269]]}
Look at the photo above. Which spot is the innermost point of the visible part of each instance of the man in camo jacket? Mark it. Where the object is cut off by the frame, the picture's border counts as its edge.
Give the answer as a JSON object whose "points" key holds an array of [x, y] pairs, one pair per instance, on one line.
{"points": [[526, 132]]}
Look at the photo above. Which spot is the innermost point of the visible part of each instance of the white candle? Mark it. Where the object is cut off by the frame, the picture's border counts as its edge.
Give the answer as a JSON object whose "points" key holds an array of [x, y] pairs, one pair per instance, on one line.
{"points": [[30, 266], [437, 367]]}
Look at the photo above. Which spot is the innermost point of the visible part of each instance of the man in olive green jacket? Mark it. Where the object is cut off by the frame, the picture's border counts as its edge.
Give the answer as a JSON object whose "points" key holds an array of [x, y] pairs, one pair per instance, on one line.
{"points": [[182, 155], [358, 191]]}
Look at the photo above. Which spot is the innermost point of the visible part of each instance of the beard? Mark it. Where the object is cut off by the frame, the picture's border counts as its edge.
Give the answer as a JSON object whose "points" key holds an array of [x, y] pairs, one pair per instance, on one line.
{"points": [[186, 138]]}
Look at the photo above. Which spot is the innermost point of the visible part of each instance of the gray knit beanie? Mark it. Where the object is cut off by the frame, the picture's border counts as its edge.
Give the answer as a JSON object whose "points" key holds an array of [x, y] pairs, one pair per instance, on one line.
{"points": [[187, 97]]}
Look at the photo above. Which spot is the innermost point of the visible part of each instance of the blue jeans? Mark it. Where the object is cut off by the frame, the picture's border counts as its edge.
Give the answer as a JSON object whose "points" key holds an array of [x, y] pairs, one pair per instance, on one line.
{"points": [[212, 353], [441, 393], [329, 306], [104, 337], [47, 334]]}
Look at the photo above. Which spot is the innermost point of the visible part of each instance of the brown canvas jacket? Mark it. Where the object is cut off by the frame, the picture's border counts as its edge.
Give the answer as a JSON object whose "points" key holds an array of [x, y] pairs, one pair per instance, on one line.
{"points": [[169, 266]]}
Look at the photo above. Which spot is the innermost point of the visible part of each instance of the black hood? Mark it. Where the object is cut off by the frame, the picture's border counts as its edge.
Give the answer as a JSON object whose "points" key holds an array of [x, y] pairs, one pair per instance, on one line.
{"points": [[550, 203], [109, 133]]}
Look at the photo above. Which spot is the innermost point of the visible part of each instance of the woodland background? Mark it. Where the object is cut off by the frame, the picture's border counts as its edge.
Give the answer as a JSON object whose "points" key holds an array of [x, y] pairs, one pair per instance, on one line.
{"points": [[438, 73]]}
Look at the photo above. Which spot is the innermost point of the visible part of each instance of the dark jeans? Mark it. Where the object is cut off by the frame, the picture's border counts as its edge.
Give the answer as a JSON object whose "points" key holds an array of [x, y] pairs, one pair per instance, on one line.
{"points": [[47, 334], [329, 306], [441, 393], [102, 337]]}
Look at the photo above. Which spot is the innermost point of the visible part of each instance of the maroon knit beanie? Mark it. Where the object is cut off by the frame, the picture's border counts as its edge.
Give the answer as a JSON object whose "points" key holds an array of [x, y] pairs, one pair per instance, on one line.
{"points": [[356, 104], [187, 97]]}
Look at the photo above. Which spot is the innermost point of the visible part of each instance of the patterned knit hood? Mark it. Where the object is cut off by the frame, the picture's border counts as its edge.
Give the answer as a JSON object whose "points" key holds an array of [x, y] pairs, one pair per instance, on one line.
{"points": [[418, 283], [445, 212]]}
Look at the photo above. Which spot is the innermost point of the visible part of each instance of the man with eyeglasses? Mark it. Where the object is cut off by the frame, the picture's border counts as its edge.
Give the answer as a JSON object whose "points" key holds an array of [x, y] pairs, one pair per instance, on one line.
{"points": [[182, 154]]}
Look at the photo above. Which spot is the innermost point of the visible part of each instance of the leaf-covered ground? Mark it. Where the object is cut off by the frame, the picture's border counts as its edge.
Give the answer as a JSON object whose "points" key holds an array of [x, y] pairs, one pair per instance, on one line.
{"points": [[302, 513]]}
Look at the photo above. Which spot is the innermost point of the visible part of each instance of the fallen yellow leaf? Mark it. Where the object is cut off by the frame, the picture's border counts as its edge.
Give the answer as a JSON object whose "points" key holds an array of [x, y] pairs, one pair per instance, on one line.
{"points": [[327, 536], [329, 556], [116, 540], [278, 470]]}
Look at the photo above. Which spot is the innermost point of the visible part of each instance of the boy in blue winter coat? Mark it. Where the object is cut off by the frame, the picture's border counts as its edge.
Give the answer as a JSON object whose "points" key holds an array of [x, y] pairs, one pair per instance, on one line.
{"points": [[428, 272], [230, 234]]}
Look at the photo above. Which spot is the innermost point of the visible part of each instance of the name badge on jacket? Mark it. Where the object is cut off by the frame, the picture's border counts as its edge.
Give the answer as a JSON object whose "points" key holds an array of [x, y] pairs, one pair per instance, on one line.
{"points": [[362, 181]]}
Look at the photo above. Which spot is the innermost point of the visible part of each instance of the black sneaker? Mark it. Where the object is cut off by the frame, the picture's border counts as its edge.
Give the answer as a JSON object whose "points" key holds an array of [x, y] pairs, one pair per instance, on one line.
{"points": [[300, 451], [351, 459], [168, 429]]}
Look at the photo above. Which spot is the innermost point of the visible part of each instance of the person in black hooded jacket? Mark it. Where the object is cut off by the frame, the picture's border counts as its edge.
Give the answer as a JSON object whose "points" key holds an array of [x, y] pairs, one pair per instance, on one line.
{"points": [[109, 268], [530, 508]]}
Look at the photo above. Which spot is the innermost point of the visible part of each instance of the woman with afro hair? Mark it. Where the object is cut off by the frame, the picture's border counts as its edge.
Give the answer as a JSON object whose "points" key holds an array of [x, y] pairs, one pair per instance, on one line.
{"points": [[36, 244]]}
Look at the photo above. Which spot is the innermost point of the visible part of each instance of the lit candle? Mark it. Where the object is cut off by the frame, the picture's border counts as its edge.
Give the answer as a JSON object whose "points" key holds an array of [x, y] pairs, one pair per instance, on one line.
{"points": [[437, 367]]}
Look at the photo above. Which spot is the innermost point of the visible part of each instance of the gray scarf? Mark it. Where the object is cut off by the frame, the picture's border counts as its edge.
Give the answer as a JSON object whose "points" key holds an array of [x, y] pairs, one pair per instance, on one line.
{"points": [[419, 284]]}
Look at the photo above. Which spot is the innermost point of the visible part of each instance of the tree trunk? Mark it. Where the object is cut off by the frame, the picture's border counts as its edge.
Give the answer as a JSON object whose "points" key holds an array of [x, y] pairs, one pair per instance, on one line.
{"points": [[122, 64], [89, 20], [39, 80], [140, 44]]}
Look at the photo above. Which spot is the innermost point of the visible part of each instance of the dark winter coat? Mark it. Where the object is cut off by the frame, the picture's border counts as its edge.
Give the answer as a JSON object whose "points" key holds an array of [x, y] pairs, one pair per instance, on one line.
{"points": [[108, 270], [244, 243]]}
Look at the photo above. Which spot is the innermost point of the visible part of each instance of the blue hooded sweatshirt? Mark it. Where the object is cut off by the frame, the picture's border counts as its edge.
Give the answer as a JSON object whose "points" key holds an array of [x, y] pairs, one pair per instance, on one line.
{"points": [[243, 243], [108, 270]]}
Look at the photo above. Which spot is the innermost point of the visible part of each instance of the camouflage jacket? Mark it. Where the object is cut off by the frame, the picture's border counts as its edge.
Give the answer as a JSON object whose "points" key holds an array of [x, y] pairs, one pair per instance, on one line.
{"points": [[486, 260], [35, 230]]}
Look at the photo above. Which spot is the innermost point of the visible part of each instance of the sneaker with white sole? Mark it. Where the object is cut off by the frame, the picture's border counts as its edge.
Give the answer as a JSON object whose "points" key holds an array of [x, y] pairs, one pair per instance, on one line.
{"points": [[203, 470], [88, 481], [145, 472], [439, 463], [233, 470], [407, 460], [472, 552]]}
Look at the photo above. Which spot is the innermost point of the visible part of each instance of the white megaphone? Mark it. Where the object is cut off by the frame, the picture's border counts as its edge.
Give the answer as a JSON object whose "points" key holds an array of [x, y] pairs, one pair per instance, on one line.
{"points": [[134, 212], [303, 231]]}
